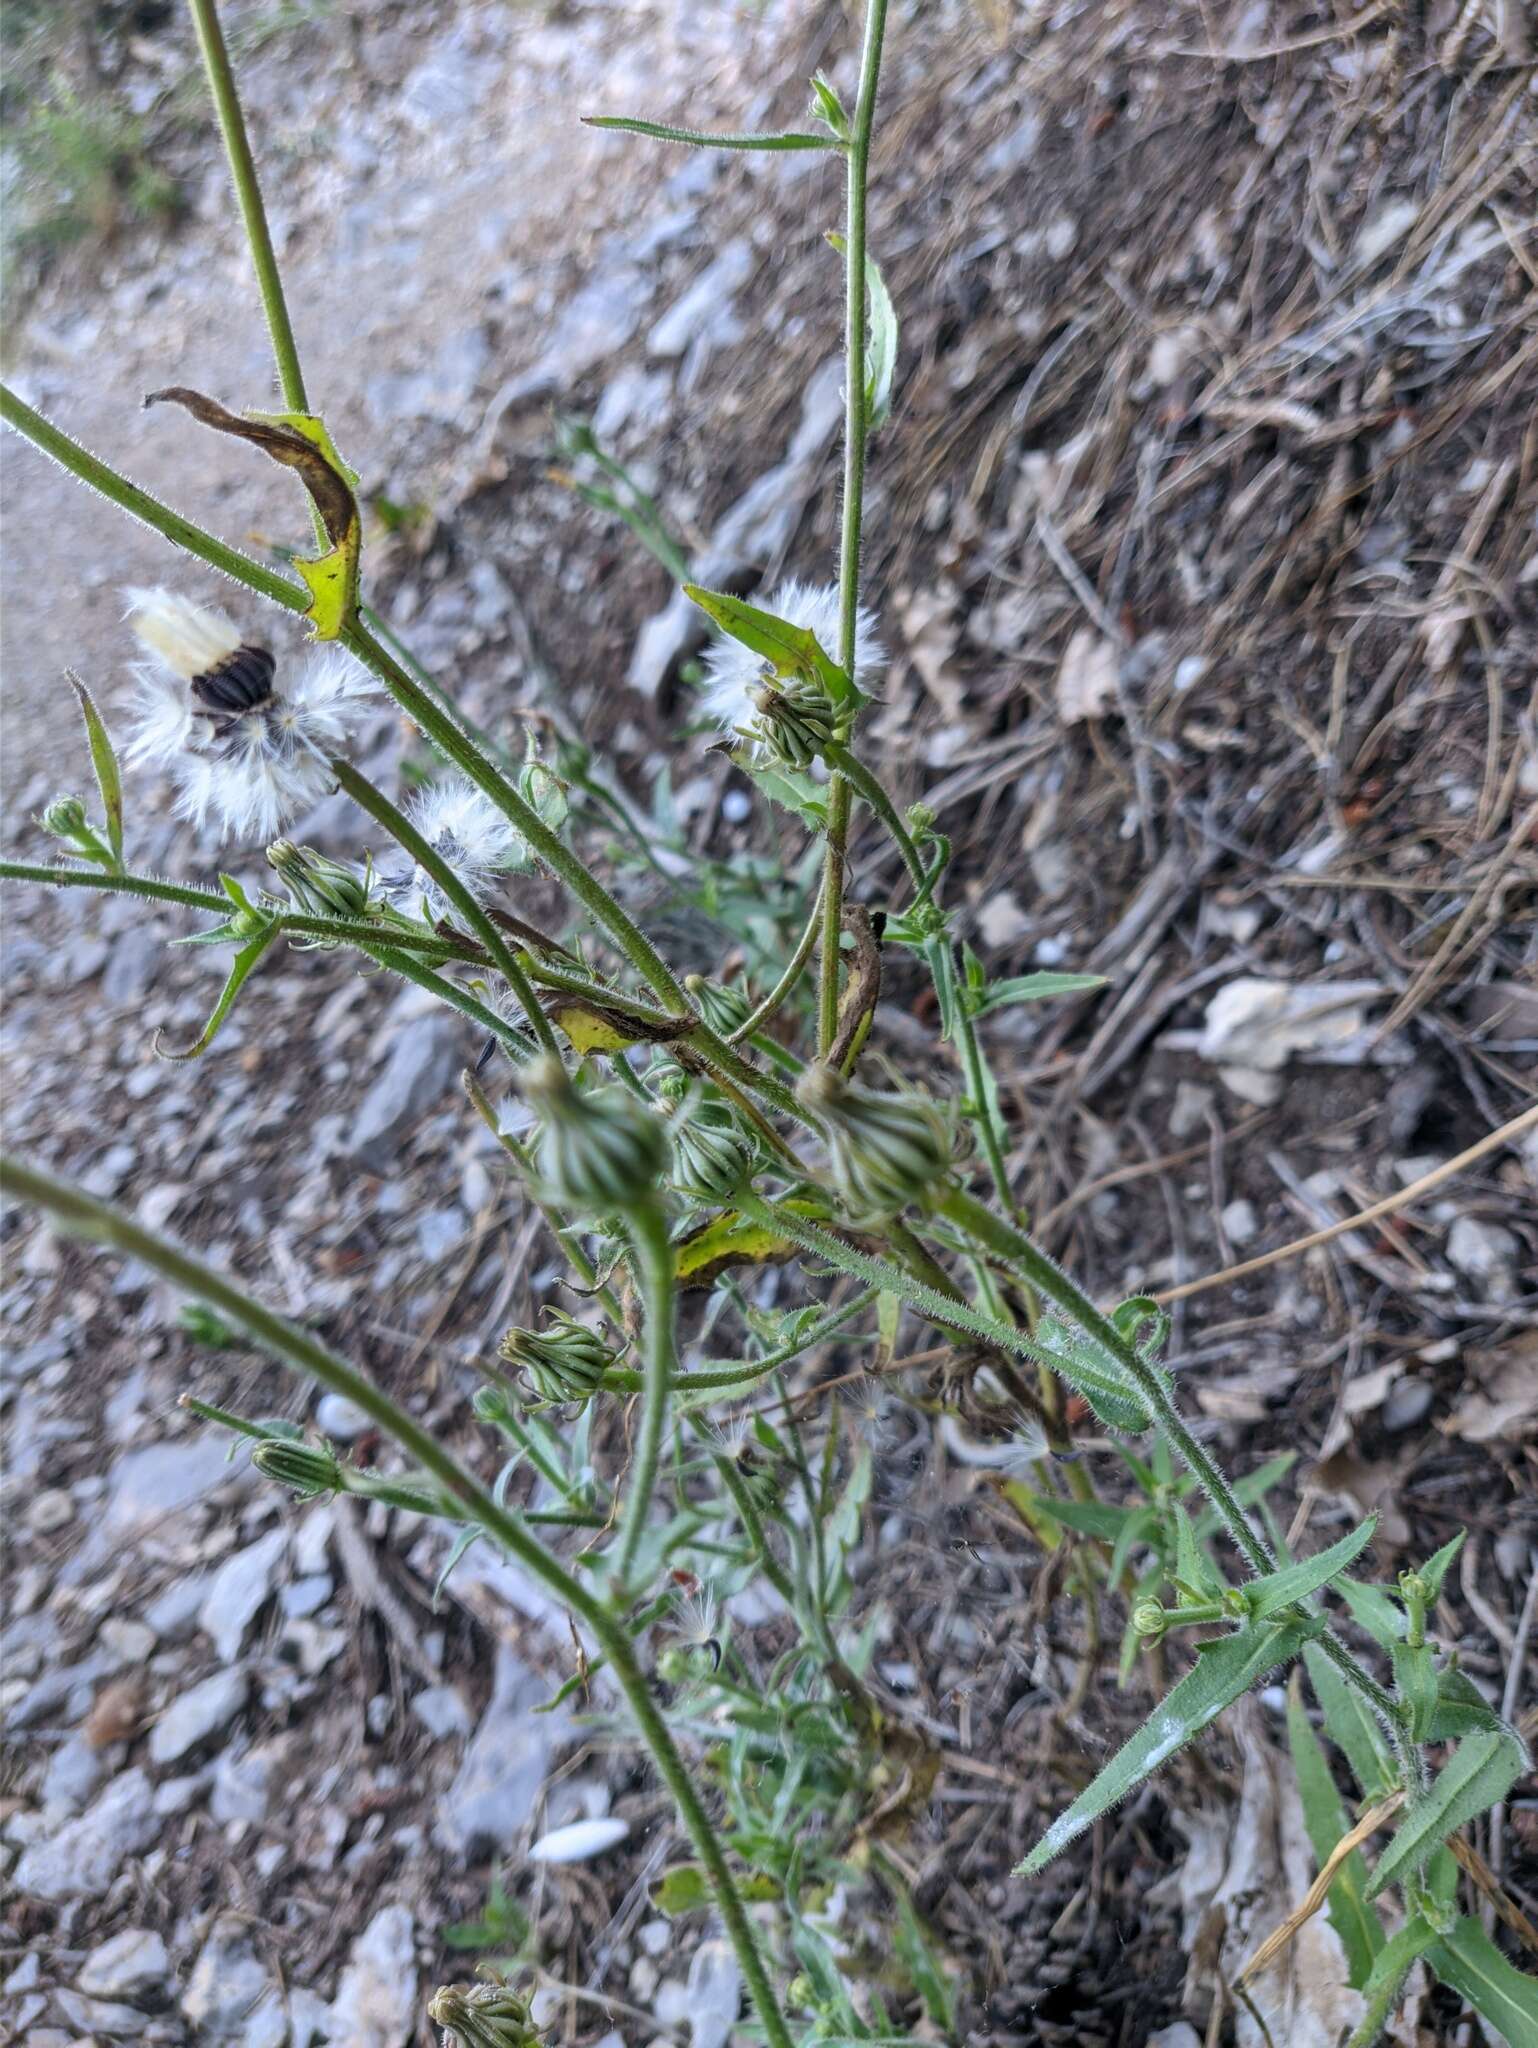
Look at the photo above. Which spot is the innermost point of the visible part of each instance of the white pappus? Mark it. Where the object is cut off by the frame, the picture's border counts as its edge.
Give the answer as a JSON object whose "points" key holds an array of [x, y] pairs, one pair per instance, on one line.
{"points": [[733, 672], [469, 834], [210, 714]]}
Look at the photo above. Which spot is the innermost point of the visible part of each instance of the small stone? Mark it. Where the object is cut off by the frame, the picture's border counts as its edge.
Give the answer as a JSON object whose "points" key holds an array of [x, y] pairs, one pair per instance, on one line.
{"points": [[340, 1418], [133, 1966], [705, 312], [1485, 1253], [580, 1842], [442, 1711], [96, 2016], [230, 1999], [375, 2005], [73, 1774], [241, 1786], [306, 1596], [54, 1509], [149, 1484], [1251, 1085], [177, 1794], [1408, 1402], [87, 1853], [715, 1994], [1190, 1109], [427, 1056], [503, 1767], [196, 1715], [1239, 1222], [656, 1937], [239, 1590], [378, 1714], [132, 1641]]}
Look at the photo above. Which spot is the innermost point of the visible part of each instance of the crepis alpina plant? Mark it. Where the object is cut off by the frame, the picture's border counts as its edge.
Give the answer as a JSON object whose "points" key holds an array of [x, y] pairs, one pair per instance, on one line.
{"points": [[673, 1142]]}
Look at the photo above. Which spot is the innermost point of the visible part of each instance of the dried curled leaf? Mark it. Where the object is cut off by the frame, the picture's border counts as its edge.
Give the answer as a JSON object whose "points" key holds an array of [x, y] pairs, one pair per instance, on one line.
{"points": [[592, 1026], [301, 442]]}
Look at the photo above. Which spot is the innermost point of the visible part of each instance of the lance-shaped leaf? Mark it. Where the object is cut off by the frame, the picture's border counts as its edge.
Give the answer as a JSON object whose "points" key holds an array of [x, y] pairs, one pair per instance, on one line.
{"points": [[1393, 1964], [1415, 1681], [1470, 1961], [1036, 988], [789, 650], [104, 761], [240, 967], [880, 341], [300, 441], [1350, 1723], [1477, 1776], [731, 1240], [1373, 1610], [1294, 1582], [1223, 1670], [1095, 1372], [830, 107], [1460, 1709], [701, 138], [1359, 1928]]}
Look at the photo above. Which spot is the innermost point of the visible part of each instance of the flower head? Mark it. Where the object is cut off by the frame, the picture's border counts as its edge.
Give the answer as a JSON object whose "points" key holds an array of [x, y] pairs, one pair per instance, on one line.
{"points": [[733, 672], [469, 834], [596, 1153], [884, 1151], [210, 713], [485, 2015], [566, 1361]]}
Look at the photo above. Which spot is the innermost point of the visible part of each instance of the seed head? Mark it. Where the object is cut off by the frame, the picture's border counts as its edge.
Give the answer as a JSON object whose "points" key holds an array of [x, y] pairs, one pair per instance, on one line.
{"points": [[470, 835], [794, 719], [885, 1151], [485, 2015], [712, 1154], [733, 672], [596, 1152]]}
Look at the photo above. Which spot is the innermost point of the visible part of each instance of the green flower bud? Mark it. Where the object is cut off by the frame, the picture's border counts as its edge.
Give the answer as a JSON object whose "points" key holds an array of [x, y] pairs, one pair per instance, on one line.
{"points": [[1149, 1619], [310, 1469], [566, 1362], [485, 2015], [723, 1009], [884, 1151], [320, 887], [796, 719], [600, 1151], [65, 818], [712, 1157], [921, 819], [542, 790]]}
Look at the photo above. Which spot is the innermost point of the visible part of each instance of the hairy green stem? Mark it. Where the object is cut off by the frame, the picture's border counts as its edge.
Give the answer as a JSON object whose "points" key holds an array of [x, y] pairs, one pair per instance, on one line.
{"points": [[856, 426], [511, 1040], [302, 1353], [870, 792], [149, 886], [752, 1522], [248, 194], [655, 1282], [400, 827]]}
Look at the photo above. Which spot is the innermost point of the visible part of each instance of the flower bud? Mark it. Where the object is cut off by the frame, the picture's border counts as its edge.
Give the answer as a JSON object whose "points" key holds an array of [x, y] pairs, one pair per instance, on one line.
{"points": [[884, 1151], [319, 887], [310, 1469], [712, 1157], [65, 818], [921, 819], [796, 719], [542, 790], [723, 1009], [1149, 1619], [485, 2015], [600, 1151], [566, 1362]]}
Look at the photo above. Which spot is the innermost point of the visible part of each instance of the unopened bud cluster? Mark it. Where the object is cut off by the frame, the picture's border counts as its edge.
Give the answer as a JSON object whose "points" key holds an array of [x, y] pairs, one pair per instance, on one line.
{"points": [[712, 1154], [318, 886], [564, 1362], [596, 1152], [795, 719], [310, 1469], [724, 1009], [885, 1151], [485, 2015]]}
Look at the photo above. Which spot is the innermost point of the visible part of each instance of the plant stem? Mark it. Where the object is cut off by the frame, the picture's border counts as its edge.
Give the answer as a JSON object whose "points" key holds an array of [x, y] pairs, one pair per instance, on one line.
{"points": [[856, 424], [511, 1040], [248, 193], [752, 1522], [80, 462], [298, 1350], [150, 886], [756, 1019], [400, 827], [870, 791], [655, 1283]]}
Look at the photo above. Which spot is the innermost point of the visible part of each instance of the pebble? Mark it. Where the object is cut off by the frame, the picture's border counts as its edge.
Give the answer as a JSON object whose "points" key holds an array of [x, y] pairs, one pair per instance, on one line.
{"points": [[715, 1994], [375, 2004], [1240, 1224], [239, 1590], [132, 1641], [86, 1854], [230, 1998], [133, 1966], [442, 1711], [74, 1771], [423, 1064], [503, 1767], [341, 1419], [97, 2016], [54, 1509], [241, 1786], [306, 1596], [1485, 1253], [196, 1714], [1408, 1402]]}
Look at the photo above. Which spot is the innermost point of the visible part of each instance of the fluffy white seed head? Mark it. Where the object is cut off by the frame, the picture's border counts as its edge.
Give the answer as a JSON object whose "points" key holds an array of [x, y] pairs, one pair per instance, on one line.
{"points": [[255, 769], [733, 672], [467, 831]]}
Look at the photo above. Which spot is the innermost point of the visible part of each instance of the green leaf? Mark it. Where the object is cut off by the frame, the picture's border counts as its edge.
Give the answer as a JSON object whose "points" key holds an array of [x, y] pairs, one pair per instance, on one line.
{"points": [[1194, 1572], [683, 1889], [245, 960], [830, 107], [1090, 1517], [1224, 1669], [1415, 1681], [1254, 1486], [1296, 1582], [1434, 1570], [1477, 1776], [1359, 1928], [699, 138], [1037, 988], [1351, 1724], [790, 788], [789, 650], [104, 761], [1372, 1610], [880, 341], [916, 1951], [1096, 1373], [1460, 1709], [1499, 1992], [1393, 1964]]}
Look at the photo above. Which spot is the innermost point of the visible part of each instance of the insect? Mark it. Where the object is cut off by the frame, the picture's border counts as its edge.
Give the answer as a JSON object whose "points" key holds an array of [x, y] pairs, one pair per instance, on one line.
{"points": [[240, 683]]}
